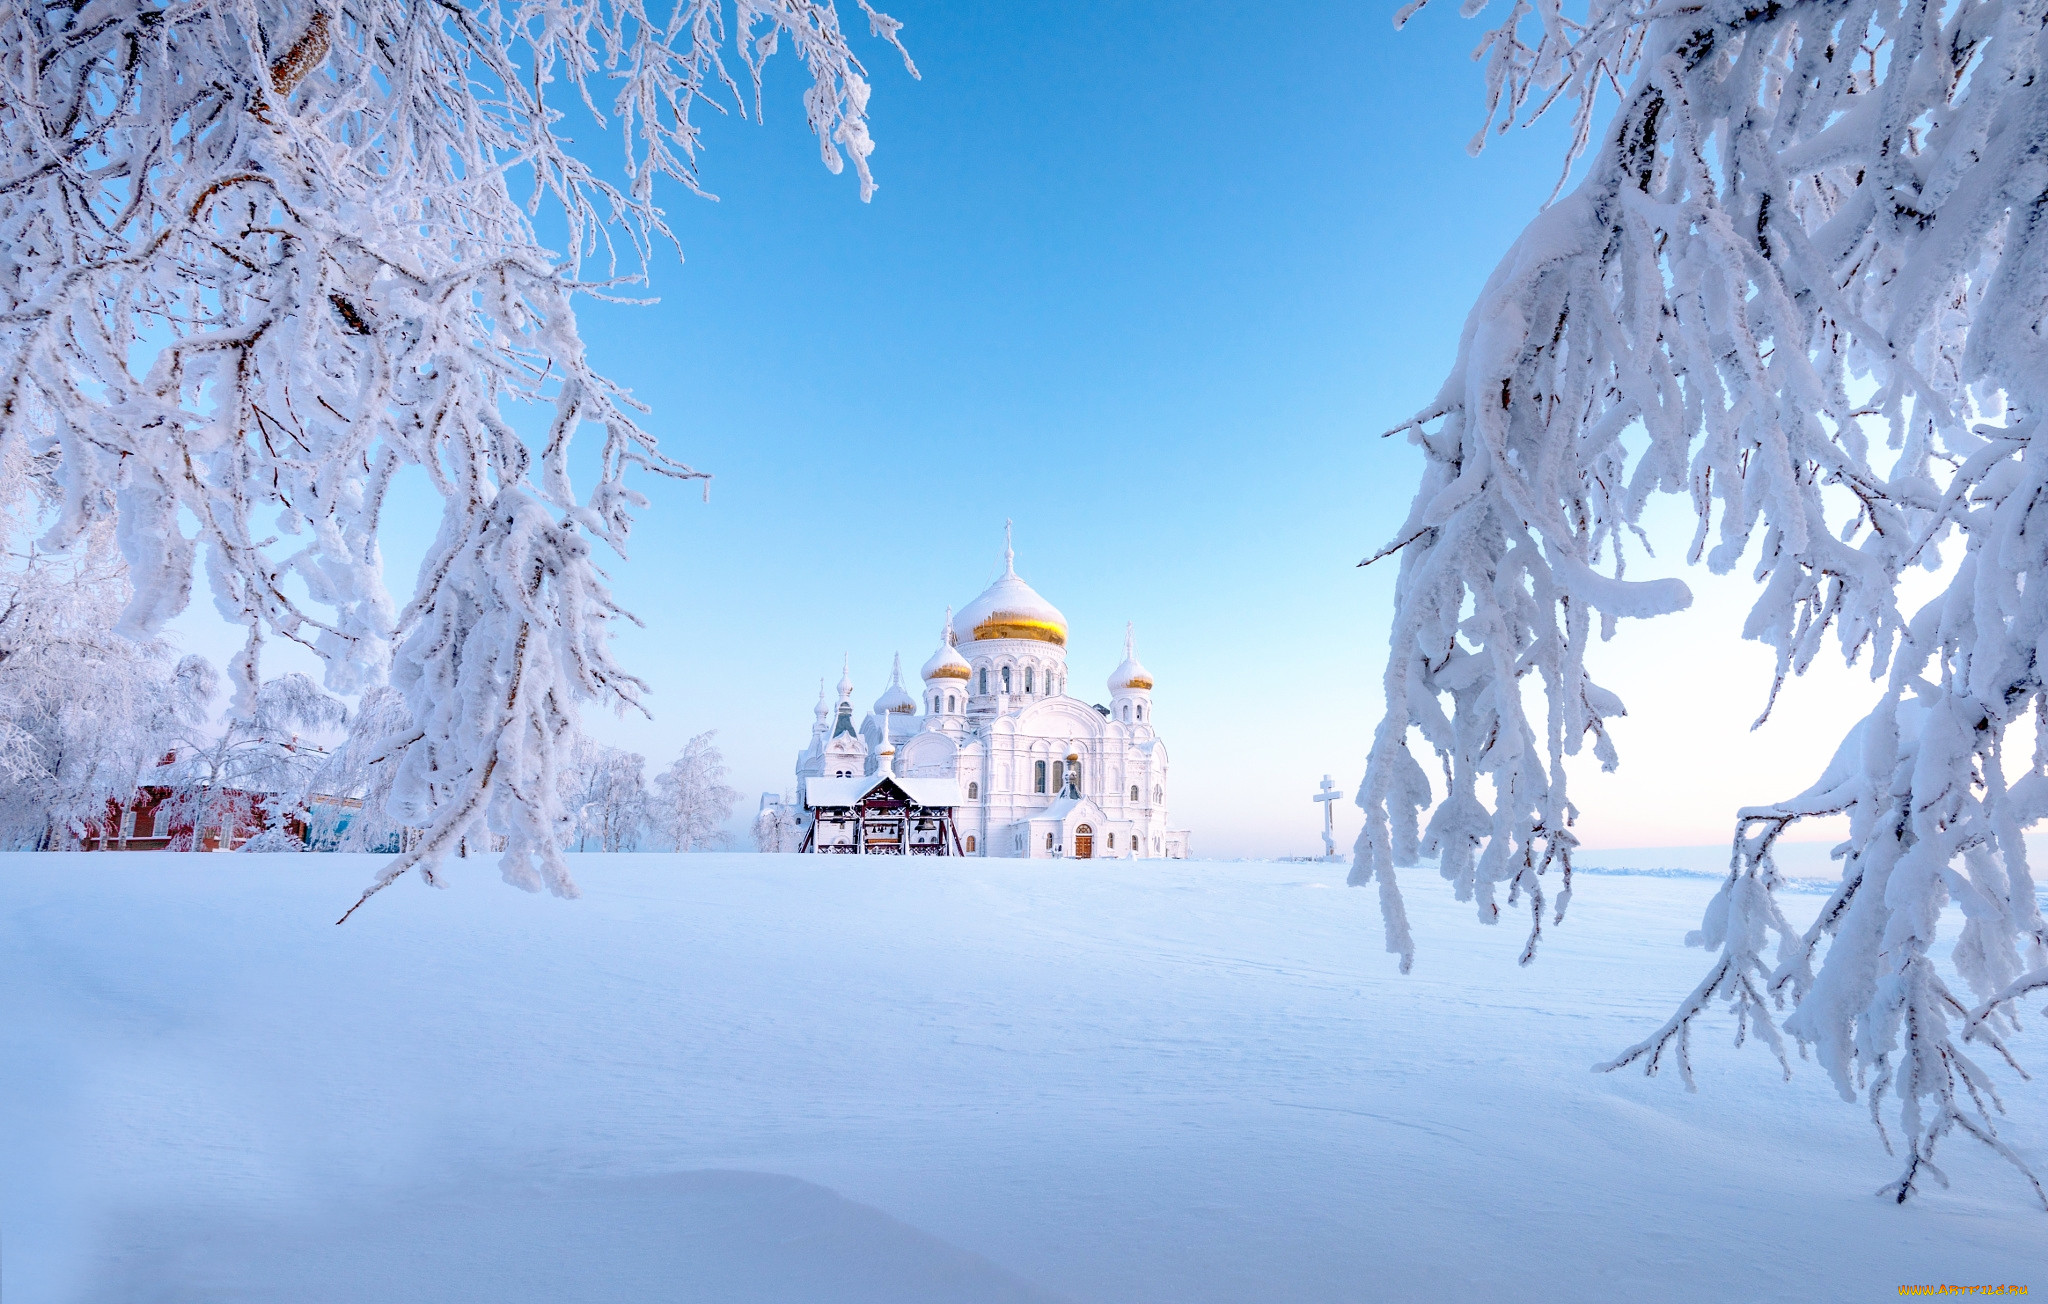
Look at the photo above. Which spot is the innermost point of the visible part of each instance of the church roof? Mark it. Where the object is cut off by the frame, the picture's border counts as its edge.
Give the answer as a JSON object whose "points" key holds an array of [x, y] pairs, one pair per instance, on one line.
{"points": [[1065, 806], [846, 792], [947, 663], [1130, 674], [845, 722], [1010, 608], [895, 697], [900, 727]]}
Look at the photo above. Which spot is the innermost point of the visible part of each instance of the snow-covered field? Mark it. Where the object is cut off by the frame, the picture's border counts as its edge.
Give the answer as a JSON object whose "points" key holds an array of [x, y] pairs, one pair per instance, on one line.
{"points": [[737, 1078]]}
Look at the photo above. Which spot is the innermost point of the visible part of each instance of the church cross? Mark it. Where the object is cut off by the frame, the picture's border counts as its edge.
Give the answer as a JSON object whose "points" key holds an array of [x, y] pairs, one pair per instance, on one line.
{"points": [[1326, 795]]}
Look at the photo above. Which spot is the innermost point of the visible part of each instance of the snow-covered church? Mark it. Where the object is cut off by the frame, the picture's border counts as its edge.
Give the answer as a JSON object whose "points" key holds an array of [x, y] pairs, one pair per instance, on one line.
{"points": [[996, 759]]}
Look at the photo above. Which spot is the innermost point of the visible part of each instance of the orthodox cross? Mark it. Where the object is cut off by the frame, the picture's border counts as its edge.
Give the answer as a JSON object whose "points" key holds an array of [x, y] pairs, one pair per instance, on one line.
{"points": [[1327, 795]]}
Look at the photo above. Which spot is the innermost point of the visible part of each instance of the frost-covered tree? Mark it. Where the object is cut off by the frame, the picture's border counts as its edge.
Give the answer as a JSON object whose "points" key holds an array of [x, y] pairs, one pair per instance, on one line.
{"points": [[776, 827], [1802, 281], [348, 797], [258, 258], [691, 800], [85, 714], [265, 750], [604, 791]]}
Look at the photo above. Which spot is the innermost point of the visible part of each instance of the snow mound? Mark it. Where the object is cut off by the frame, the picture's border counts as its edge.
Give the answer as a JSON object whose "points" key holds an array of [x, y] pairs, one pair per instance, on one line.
{"points": [[745, 1075]]}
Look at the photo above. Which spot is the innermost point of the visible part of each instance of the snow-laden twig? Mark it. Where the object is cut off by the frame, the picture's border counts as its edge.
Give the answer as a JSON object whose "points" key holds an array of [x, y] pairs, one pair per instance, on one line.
{"points": [[1739, 921], [1807, 217], [260, 259], [85, 714]]}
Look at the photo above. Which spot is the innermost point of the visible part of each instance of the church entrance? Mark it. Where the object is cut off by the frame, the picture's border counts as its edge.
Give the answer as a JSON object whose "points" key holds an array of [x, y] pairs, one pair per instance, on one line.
{"points": [[1084, 843]]}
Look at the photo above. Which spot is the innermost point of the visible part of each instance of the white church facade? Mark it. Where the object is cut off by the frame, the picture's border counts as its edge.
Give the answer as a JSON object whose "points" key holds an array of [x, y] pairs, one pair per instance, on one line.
{"points": [[995, 758]]}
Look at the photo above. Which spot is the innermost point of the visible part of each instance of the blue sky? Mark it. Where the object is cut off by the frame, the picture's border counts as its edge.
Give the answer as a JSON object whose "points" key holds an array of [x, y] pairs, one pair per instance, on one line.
{"points": [[1150, 280]]}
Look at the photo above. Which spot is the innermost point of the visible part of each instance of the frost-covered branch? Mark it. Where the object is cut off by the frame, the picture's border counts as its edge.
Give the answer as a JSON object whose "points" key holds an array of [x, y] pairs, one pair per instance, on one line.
{"points": [[1739, 923], [260, 258], [1809, 221], [85, 714]]}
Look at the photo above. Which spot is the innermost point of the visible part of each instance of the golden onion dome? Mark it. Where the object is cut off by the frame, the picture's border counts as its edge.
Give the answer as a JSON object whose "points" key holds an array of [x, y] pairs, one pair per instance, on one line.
{"points": [[1130, 674], [1010, 608], [947, 663]]}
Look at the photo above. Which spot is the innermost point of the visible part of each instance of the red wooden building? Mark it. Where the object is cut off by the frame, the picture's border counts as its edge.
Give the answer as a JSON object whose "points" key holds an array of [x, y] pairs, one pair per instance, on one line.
{"points": [[154, 821]]}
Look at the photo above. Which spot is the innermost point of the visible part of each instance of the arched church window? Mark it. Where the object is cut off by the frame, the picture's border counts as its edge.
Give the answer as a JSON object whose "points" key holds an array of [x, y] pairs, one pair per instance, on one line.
{"points": [[970, 844], [1141, 714], [1048, 842], [1112, 842], [951, 705], [1134, 792], [1006, 679], [1028, 676], [984, 681], [1038, 776], [1127, 710], [973, 794], [1158, 794]]}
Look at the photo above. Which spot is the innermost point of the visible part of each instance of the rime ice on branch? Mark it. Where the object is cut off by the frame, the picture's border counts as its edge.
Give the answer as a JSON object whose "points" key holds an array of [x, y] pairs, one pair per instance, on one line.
{"points": [[260, 257], [85, 714], [1797, 205]]}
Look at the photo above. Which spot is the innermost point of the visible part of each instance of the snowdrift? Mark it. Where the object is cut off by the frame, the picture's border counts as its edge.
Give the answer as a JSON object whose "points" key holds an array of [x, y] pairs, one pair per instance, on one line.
{"points": [[737, 1078]]}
